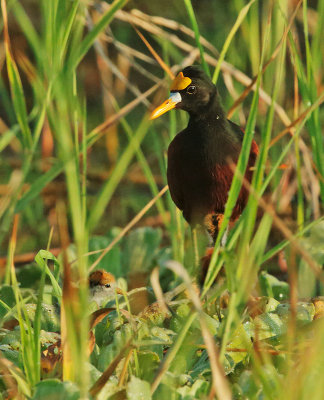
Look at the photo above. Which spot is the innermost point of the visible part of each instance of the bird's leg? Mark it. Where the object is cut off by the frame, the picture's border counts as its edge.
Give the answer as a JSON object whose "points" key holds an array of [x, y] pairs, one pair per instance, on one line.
{"points": [[199, 241], [195, 246]]}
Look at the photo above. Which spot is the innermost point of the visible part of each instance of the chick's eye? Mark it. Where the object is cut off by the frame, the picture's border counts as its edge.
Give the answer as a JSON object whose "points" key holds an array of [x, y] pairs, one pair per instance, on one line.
{"points": [[191, 89], [107, 285]]}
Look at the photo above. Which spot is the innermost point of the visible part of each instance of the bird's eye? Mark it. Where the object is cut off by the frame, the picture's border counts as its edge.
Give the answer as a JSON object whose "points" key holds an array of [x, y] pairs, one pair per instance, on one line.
{"points": [[191, 89], [107, 285]]}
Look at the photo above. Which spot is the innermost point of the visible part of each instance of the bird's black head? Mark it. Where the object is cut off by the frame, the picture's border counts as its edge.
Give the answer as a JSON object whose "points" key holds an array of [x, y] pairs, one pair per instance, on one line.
{"points": [[198, 94], [192, 91]]}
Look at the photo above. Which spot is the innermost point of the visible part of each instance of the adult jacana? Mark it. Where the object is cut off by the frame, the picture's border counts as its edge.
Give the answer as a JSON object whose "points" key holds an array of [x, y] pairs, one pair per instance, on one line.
{"points": [[199, 174]]}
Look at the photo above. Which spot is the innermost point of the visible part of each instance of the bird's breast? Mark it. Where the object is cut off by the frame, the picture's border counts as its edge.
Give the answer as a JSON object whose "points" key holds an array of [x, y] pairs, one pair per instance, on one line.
{"points": [[198, 179]]}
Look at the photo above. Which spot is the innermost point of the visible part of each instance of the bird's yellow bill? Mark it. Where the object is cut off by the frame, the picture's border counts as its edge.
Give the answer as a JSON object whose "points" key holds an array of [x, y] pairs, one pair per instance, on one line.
{"points": [[172, 101], [180, 82]]}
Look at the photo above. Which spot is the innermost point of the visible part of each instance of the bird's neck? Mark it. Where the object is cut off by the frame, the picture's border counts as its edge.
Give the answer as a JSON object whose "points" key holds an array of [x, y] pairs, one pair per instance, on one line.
{"points": [[211, 112], [212, 125]]}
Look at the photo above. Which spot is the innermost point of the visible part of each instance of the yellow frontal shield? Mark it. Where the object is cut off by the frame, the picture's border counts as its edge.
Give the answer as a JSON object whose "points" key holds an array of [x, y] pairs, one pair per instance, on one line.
{"points": [[180, 82]]}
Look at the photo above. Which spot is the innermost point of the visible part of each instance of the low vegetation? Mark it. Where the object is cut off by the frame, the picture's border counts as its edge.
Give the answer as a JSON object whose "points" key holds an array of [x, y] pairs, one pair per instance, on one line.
{"points": [[83, 188]]}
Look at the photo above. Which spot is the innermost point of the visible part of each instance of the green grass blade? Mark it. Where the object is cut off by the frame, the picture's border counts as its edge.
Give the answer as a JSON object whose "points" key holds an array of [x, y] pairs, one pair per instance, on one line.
{"points": [[6, 102], [28, 30], [18, 99], [317, 40], [97, 29], [41, 259], [195, 28], [69, 24], [308, 89], [260, 165], [37, 327], [118, 173], [26, 331], [172, 352], [280, 246], [38, 185], [236, 182], [229, 38], [6, 138], [300, 191], [145, 167]]}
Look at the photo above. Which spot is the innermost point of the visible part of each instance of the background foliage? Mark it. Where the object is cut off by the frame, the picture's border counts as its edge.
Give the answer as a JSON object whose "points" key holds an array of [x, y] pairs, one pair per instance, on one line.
{"points": [[82, 186]]}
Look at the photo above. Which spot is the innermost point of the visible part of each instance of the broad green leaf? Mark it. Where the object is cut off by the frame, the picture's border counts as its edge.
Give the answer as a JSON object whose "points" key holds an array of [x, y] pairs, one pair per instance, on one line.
{"points": [[138, 389], [12, 339], [212, 324], [187, 355], [240, 340], [49, 338], [111, 388], [273, 287], [148, 363], [50, 320], [305, 312], [7, 298], [116, 339], [271, 305], [10, 354], [162, 334], [29, 275], [165, 391], [111, 262], [268, 325], [175, 380], [94, 373], [314, 242], [197, 390], [53, 389], [250, 389], [201, 366], [307, 282], [140, 248]]}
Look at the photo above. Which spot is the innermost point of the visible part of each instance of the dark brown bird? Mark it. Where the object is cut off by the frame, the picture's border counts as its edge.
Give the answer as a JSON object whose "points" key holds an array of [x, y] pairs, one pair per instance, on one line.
{"points": [[199, 175]]}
